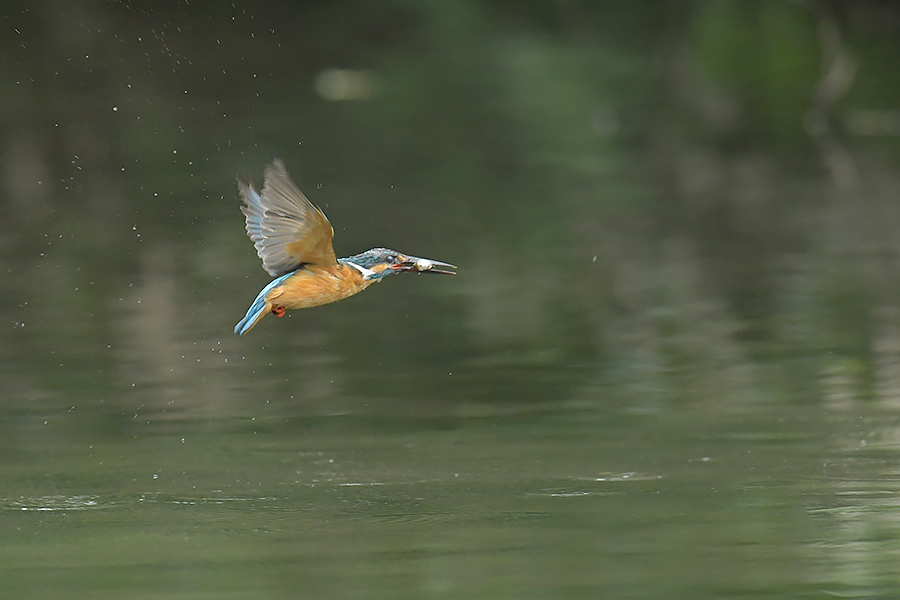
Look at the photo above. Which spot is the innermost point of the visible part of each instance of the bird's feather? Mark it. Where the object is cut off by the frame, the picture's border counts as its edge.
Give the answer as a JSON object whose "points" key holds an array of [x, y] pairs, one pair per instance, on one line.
{"points": [[261, 306], [286, 228]]}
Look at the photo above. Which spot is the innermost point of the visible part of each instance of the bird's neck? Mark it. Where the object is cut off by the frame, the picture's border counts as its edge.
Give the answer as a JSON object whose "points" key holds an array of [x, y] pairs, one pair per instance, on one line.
{"points": [[365, 273]]}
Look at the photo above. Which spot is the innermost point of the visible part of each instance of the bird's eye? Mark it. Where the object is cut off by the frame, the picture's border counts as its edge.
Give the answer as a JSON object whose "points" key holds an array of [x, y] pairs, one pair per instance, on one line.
{"points": [[391, 258]]}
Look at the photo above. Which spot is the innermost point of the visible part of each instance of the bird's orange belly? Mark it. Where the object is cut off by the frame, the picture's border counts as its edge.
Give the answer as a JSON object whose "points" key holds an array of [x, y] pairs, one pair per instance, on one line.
{"points": [[315, 286]]}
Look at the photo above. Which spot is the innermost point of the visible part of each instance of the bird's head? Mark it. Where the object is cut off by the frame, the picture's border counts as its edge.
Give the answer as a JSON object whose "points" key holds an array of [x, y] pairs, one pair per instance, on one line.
{"points": [[378, 263]]}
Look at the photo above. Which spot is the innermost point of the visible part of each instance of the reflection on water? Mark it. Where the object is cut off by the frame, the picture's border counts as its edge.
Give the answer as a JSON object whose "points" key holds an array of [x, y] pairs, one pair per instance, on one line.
{"points": [[668, 367]]}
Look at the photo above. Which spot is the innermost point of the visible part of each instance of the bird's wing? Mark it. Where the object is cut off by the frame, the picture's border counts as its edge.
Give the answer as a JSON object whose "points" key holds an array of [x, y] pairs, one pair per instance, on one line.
{"points": [[286, 228]]}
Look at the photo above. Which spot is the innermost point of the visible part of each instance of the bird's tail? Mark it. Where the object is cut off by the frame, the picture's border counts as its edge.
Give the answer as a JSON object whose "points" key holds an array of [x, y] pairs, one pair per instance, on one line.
{"points": [[260, 308]]}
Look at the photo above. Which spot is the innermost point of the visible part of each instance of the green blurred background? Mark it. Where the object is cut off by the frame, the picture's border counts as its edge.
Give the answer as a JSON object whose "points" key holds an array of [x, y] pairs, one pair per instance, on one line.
{"points": [[669, 366]]}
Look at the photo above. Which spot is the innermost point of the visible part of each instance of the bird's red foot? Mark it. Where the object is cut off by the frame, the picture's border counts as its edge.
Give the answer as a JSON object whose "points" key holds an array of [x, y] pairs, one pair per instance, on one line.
{"points": [[278, 311]]}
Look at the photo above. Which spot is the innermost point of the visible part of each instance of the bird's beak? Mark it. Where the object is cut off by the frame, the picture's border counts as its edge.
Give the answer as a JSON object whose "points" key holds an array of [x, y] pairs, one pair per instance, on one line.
{"points": [[424, 265]]}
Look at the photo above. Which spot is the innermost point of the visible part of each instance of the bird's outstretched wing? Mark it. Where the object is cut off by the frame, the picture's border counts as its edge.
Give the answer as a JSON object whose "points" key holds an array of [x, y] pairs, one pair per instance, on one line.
{"points": [[286, 228]]}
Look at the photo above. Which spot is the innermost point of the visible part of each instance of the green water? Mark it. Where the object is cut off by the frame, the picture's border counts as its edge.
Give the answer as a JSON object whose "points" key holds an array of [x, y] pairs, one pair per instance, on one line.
{"points": [[669, 366]]}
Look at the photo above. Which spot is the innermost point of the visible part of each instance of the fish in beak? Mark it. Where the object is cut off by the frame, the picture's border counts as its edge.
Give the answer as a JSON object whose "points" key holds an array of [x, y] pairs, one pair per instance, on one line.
{"points": [[424, 265]]}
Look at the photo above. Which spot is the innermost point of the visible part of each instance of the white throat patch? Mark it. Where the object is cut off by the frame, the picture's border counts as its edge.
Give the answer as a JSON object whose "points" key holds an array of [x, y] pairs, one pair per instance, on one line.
{"points": [[366, 273]]}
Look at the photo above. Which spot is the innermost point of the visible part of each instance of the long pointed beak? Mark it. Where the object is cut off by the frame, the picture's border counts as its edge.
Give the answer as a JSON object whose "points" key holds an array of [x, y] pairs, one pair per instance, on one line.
{"points": [[425, 265]]}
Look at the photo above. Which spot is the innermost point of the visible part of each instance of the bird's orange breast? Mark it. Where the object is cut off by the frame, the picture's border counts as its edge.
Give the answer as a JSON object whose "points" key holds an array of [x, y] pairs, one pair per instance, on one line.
{"points": [[315, 285]]}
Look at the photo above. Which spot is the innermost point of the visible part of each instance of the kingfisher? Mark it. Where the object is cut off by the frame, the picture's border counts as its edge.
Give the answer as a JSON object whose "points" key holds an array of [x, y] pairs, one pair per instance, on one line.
{"points": [[293, 237]]}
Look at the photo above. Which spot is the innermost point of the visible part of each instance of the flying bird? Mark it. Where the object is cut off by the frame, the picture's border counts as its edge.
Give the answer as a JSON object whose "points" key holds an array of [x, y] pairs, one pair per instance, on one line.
{"points": [[293, 237]]}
